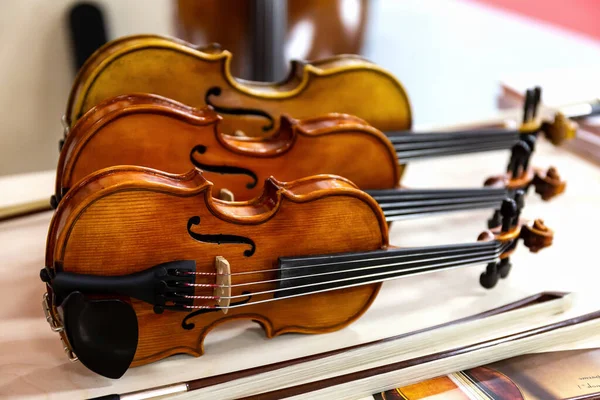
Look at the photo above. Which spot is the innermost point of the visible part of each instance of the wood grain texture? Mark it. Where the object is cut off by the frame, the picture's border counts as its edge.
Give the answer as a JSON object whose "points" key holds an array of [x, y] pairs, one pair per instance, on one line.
{"points": [[126, 219], [152, 131], [176, 69]]}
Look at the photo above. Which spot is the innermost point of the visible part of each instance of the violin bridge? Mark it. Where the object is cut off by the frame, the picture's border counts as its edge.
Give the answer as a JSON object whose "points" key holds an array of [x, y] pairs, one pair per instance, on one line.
{"points": [[223, 289], [226, 195]]}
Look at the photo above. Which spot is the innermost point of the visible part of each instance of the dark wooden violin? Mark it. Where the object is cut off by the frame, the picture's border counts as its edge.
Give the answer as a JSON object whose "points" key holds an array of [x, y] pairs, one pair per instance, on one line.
{"points": [[142, 264], [200, 77], [155, 132]]}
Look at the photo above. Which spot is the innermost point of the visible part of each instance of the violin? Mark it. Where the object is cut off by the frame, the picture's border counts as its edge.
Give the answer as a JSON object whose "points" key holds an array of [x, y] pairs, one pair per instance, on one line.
{"points": [[155, 132], [200, 77], [141, 264]]}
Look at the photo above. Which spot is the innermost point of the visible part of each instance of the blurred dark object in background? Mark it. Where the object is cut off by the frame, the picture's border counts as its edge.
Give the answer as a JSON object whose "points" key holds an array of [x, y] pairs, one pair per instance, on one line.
{"points": [[264, 35], [87, 31]]}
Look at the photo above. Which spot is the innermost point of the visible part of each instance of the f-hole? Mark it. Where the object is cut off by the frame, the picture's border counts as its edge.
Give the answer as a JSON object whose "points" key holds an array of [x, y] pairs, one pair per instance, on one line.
{"points": [[185, 324], [222, 169], [220, 238], [216, 91]]}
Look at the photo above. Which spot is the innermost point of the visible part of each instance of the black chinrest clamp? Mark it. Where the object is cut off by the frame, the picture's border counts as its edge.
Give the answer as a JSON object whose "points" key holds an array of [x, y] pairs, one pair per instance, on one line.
{"points": [[165, 286]]}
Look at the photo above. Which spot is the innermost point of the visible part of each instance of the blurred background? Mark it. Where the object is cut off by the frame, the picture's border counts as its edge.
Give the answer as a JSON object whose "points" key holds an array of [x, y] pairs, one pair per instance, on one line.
{"points": [[451, 55]]}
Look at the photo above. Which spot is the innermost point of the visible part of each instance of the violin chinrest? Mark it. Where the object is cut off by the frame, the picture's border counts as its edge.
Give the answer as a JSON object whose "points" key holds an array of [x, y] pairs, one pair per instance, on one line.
{"points": [[103, 333]]}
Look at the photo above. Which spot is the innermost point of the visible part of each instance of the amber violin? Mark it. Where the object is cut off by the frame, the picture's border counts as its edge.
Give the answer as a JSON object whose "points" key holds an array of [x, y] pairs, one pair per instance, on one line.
{"points": [[151, 131], [141, 264], [200, 76]]}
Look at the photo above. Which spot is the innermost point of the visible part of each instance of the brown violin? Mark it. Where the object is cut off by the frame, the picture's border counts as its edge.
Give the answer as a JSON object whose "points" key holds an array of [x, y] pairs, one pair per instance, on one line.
{"points": [[141, 264], [151, 131], [200, 77]]}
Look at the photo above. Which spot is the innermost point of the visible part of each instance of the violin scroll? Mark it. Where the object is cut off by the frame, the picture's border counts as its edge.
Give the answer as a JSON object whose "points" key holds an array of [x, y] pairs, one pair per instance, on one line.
{"points": [[511, 229], [559, 130], [537, 236], [548, 184]]}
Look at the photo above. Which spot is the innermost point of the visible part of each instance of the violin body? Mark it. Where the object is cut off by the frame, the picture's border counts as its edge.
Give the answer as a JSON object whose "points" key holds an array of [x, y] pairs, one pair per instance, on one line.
{"points": [[201, 76], [127, 219], [155, 132]]}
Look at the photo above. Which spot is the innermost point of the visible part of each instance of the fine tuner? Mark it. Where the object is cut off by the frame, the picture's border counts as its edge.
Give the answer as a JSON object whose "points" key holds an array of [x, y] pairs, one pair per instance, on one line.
{"points": [[141, 264]]}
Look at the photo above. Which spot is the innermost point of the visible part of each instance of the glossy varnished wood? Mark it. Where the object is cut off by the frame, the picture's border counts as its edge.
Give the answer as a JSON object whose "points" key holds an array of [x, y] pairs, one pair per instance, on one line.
{"points": [[175, 69], [126, 219], [155, 132]]}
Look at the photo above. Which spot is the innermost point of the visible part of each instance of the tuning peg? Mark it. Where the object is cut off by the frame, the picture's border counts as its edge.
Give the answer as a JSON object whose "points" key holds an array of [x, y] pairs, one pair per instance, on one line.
{"points": [[519, 157], [520, 202], [537, 97], [495, 221], [504, 267], [489, 278], [508, 210]]}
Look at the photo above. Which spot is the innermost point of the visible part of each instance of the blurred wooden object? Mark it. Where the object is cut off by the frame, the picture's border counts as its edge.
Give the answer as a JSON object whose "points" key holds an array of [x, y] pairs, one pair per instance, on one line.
{"points": [[208, 21], [315, 29]]}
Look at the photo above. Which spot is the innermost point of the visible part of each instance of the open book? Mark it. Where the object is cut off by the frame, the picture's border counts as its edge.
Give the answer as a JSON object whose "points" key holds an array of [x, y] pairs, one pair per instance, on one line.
{"points": [[534, 324], [553, 375]]}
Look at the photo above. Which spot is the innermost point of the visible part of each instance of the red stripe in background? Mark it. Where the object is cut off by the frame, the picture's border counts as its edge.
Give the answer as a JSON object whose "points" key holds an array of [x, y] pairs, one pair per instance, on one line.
{"points": [[581, 16]]}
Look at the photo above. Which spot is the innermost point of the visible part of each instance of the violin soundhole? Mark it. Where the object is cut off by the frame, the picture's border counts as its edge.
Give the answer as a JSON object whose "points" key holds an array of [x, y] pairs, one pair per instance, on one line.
{"points": [[185, 324], [216, 91], [220, 238], [222, 169]]}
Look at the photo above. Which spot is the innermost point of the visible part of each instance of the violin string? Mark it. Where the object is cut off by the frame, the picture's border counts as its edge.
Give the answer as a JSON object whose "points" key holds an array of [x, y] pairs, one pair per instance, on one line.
{"points": [[380, 277], [414, 154], [451, 150], [385, 255], [406, 204], [496, 250], [432, 268], [444, 135], [449, 143], [329, 259], [399, 211], [390, 265], [391, 216], [415, 194], [432, 152]]}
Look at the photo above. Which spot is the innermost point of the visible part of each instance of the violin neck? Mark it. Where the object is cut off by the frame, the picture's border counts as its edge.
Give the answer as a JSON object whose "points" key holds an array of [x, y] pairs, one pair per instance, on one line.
{"points": [[399, 204], [313, 274], [411, 146]]}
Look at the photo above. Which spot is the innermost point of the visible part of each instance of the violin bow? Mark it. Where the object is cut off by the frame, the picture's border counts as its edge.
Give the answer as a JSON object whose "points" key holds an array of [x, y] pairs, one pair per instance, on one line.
{"points": [[196, 384], [24, 209], [515, 344]]}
